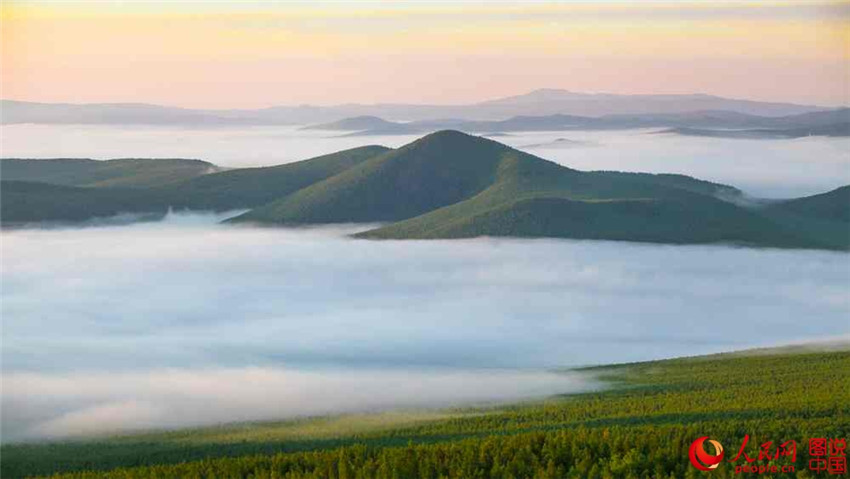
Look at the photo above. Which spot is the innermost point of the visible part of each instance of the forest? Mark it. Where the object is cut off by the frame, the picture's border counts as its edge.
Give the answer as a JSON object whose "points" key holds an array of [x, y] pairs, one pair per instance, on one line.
{"points": [[641, 426]]}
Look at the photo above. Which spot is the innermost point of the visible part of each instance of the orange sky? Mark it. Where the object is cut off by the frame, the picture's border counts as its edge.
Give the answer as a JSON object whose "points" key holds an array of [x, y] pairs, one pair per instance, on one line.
{"points": [[254, 54]]}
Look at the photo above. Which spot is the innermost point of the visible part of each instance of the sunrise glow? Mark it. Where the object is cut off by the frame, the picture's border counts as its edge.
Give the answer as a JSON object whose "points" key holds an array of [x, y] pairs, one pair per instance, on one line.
{"points": [[212, 54]]}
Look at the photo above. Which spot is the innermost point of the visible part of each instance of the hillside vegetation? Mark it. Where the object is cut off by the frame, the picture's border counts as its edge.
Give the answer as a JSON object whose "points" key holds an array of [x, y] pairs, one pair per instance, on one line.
{"points": [[251, 187], [452, 185], [435, 171], [831, 205], [640, 428], [25, 202], [125, 172], [825, 217], [51, 200]]}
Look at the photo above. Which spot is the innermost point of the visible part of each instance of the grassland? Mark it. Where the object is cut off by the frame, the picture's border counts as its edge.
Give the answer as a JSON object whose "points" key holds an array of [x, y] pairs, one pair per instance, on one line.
{"points": [[639, 428]]}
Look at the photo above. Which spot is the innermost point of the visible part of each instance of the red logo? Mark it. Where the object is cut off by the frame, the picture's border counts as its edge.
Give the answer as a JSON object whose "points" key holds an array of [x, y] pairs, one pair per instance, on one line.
{"points": [[703, 460]]}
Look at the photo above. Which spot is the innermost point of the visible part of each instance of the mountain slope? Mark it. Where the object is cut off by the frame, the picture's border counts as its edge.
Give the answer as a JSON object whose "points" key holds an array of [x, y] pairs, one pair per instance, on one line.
{"points": [[824, 217], [124, 172], [449, 185], [702, 220], [535, 198], [434, 171], [832, 205], [29, 202], [453, 185], [23, 202], [251, 187], [357, 123]]}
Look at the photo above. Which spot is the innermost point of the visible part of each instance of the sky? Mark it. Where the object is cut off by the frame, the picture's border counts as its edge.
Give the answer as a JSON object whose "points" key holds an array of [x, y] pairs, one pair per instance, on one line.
{"points": [[228, 54]]}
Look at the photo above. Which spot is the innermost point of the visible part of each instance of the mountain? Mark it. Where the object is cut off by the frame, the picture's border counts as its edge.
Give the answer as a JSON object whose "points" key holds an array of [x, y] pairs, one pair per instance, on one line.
{"points": [[360, 123], [125, 172], [452, 185], [537, 103], [549, 101], [48, 198], [837, 116], [432, 172], [835, 129], [833, 205], [824, 217], [659, 220], [24, 202], [726, 124], [252, 187]]}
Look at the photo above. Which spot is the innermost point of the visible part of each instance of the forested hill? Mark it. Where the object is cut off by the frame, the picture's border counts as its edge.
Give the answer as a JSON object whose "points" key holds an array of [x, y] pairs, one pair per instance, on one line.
{"points": [[44, 199], [123, 172], [640, 428], [450, 185]]}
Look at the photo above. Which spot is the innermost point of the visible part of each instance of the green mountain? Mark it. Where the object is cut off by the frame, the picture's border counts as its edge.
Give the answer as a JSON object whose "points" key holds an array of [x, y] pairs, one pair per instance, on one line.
{"points": [[29, 201], [833, 205], [659, 220], [452, 185], [435, 171], [23, 202], [824, 218], [251, 187], [124, 172]]}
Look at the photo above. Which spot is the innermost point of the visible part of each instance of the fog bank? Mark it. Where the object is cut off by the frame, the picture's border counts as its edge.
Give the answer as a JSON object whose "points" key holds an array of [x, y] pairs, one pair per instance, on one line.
{"points": [[130, 326], [56, 406]]}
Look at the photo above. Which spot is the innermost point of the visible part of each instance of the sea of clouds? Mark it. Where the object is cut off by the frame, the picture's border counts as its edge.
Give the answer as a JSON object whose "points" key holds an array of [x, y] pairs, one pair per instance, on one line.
{"points": [[188, 322]]}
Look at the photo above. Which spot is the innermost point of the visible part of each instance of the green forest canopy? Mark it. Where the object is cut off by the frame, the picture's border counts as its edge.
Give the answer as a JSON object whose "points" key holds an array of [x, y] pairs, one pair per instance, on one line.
{"points": [[640, 428]]}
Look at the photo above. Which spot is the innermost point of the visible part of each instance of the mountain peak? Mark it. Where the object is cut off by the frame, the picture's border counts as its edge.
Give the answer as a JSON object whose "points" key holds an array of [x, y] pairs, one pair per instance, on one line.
{"points": [[452, 139], [355, 123], [448, 134]]}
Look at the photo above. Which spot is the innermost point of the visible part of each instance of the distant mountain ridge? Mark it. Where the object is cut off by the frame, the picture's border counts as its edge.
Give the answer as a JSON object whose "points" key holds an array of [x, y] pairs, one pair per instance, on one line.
{"points": [[835, 130], [699, 123], [450, 184], [542, 102]]}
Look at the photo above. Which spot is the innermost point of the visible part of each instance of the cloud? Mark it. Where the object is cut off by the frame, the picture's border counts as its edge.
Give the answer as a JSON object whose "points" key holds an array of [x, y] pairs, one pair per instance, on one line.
{"points": [[159, 319], [99, 419], [37, 405]]}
